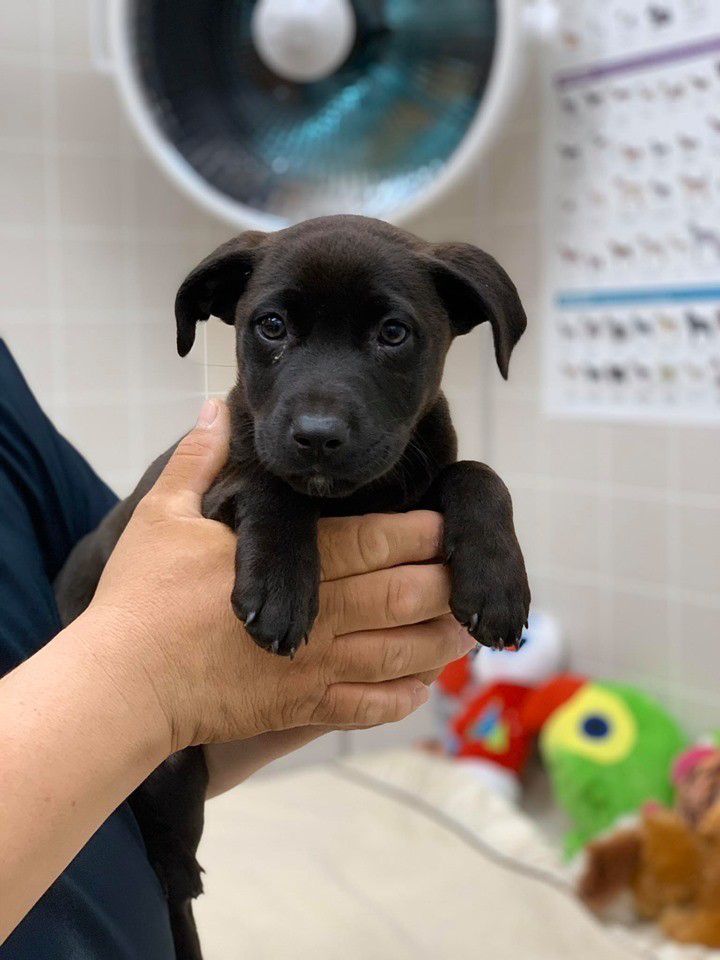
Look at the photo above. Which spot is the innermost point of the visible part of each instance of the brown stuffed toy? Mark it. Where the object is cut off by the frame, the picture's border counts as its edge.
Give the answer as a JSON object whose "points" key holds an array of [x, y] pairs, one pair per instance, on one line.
{"points": [[670, 860]]}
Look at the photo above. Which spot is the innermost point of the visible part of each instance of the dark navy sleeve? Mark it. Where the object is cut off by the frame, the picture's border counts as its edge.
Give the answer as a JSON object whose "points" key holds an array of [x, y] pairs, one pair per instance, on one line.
{"points": [[108, 904]]}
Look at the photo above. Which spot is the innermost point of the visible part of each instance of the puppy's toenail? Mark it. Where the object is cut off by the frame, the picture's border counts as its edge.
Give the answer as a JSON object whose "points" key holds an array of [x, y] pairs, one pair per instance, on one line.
{"points": [[250, 617], [275, 646]]}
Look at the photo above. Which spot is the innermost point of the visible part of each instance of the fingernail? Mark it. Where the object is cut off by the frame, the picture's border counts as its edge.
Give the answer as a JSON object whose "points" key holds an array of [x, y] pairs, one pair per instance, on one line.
{"points": [[208, 413], [421, 695]]}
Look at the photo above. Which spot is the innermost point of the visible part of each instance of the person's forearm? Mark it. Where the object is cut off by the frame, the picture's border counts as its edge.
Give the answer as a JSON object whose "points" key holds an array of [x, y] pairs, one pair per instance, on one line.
{"points": [[80, 730], [231, 763]]}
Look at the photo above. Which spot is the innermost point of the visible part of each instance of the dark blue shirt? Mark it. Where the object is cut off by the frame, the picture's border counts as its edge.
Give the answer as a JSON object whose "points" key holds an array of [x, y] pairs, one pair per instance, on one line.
{"points": [[108, 904]]}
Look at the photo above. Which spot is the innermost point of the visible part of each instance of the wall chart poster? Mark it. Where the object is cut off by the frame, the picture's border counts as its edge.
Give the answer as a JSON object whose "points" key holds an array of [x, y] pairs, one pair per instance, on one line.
{"points": [[632, 189]]}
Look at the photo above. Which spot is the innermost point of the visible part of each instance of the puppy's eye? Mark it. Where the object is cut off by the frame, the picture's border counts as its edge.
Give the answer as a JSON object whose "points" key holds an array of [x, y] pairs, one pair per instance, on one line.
{"points": [[392, 333], [272, 327]]}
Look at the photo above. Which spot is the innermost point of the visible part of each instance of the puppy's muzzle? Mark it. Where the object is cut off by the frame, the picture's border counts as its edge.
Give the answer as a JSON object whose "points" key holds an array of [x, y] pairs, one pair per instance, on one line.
{"points": [[318, 438]]}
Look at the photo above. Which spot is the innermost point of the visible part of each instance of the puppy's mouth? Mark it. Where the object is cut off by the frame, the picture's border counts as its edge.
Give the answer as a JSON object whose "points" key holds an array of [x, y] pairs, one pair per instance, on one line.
{"points": [[317, 483], [322, 480]]}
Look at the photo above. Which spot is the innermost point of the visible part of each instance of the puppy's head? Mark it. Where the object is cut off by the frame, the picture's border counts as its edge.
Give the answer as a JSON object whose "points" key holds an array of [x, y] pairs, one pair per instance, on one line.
{"points": [[343, 324]]}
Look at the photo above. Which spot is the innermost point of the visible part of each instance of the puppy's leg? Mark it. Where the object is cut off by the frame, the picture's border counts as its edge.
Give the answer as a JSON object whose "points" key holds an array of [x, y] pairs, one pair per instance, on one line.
{"points": [[169, 808], [490, 592], [277, 568], [76, 583]]}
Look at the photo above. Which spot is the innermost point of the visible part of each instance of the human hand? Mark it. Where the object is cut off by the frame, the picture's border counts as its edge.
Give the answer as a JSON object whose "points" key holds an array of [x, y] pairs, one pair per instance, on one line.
{"points": [[348, 547], [164, 597]]}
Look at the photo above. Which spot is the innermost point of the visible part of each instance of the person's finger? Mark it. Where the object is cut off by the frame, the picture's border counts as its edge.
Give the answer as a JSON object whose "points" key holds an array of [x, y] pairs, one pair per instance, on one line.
{"points": [[430, 676], [368, 704], [199, 456], [352, 545], [385, 598], [405, 651]]}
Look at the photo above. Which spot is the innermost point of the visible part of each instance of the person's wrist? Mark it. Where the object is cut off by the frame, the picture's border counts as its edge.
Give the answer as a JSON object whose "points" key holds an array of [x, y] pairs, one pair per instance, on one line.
{"points": [[128, 662]]}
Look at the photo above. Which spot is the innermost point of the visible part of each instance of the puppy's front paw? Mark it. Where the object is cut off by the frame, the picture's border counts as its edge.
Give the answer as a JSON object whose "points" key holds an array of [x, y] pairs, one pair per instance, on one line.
{"points": [[490, 593], [277, 604]]}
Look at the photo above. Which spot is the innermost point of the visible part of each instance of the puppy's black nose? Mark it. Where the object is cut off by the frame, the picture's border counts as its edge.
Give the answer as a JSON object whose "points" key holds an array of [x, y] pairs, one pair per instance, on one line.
{"points": [[319, 434]]}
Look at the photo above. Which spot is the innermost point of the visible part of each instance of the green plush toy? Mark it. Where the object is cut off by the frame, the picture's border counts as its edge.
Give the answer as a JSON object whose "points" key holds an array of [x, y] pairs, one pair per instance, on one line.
{"points": [[608, 749]]}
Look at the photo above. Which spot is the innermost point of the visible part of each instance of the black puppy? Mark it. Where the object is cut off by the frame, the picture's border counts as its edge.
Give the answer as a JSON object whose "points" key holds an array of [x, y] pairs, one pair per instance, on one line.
{"points": [[342, 327]]}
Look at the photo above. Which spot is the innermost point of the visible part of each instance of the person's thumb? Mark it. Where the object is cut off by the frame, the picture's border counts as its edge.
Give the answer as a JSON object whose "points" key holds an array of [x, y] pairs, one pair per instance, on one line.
{"points": [[199, 456]]}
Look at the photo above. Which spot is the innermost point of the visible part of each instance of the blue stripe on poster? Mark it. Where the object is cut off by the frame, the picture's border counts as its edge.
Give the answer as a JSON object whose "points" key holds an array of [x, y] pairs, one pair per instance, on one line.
{"points": [[636, 296]]}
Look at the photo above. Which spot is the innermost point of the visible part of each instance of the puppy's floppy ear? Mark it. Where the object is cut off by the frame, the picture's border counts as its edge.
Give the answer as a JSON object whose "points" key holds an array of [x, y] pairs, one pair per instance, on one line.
{"points": [[215, 286], [474, 288]]}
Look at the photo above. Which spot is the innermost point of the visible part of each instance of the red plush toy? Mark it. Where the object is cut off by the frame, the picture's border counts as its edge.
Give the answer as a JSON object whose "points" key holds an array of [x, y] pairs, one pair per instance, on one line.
{"points": [[486, 697], [490, 730]]}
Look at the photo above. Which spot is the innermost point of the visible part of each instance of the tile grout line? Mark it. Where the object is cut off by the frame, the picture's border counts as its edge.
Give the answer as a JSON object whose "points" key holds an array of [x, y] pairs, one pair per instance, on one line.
{"points": [[607, 595], [56, 313], [674, 552], [136, 401]]}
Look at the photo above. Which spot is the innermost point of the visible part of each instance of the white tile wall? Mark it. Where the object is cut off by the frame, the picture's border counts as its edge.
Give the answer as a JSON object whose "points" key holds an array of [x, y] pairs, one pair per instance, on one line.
{"points": [[93, 244]]}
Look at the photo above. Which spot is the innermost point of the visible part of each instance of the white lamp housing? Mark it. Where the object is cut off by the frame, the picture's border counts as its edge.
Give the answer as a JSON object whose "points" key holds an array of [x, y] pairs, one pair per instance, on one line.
{"points": [[303, 41]]}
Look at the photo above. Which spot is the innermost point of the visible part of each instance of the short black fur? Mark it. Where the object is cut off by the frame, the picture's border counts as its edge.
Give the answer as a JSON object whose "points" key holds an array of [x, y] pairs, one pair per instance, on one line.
{"points": [[342, 327]]}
